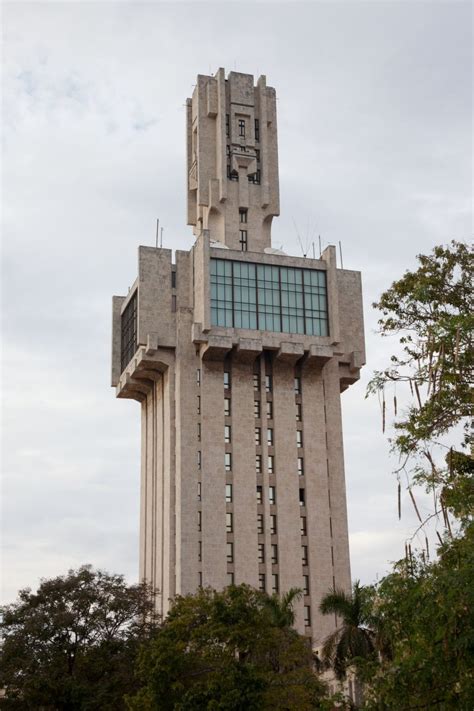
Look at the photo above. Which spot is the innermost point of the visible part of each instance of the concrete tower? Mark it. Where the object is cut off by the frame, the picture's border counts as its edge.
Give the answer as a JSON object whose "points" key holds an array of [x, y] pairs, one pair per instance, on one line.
{"points": [[238, 354]]}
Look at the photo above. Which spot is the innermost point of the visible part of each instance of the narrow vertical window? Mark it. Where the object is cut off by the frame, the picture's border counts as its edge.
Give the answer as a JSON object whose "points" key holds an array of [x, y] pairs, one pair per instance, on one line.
{"points": [[227, 406], [272, 494], [200, 580], [173, 303], [243, 240], [199, 551], [261, 582], [243, 214], [229, 523], [273, 524], [173, 279], [230, 552], [268, 383], [306, 584], [198, 376], [303, 529], [302, 497], [300, 466], [258, 436], [260, 528], [227, 125], [198, 404], [199, 491], [242, 128], [307, 616], [304, 554], [271, 463], [275, 583], [199, 459], [257, 130], [297, 385], [299, 412], [274, 554], [256, 408], [270, 410], [199, 521], [230, 578], [261, 553], [259, 495], [299, 438], [256, 382], [270, 437], [228, 461], [226, 379], [227, 434], [228, 493], [199, 431], [258, 463]]}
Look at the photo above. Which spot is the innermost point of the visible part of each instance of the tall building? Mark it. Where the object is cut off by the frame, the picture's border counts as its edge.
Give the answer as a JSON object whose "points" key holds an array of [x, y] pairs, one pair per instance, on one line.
{"points": [[237, 354]]}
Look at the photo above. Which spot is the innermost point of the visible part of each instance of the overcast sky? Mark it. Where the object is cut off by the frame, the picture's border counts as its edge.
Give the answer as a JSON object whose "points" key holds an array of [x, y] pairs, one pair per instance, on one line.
{"points": [[374, 115]]}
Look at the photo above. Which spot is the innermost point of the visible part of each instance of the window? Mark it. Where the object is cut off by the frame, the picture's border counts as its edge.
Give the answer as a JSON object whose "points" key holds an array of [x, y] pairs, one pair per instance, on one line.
{"points": [[230, 552], [227, 125], [256, 177], [302, 497], [258, 436], [228, 493], [257, 130], [256, 382], [200, 580], [227, 406], [304, 554], [129, 344], [275, 583], [273, 524], [242, 128], [261, 582], [303, 529], [258, 463], [228, 461], [199, 431], [306, 584], [299, 438], [297, 385], [198, 376], [256, 408], [243, 240], [300, 466], [307, 616], [257, 155], [199, 487], [272, 494], [261, 553], [259, 495], [226, 379], [199, 551], [173, 279], [173, 303], [274, 554], [227, 434], [299, 412], [243, 213], [268, 297], [199, 459], [270, 410], [198, 404], [260, 527], [199, 521], [229, 524], [271, 463], [270, 437], [230, 578], [268, 383]]}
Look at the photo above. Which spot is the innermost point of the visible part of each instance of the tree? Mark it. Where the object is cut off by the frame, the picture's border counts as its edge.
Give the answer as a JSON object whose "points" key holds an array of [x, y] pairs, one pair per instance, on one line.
{"points": [[281, 608], [226, 650], [72, 644], [354, 639]]}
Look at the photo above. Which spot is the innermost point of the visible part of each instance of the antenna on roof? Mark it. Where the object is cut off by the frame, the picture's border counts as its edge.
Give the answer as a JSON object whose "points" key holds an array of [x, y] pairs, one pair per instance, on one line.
{"points": [[157, 231], [340, 254], [314, 254], [299, 238], [320, 250], [161, 237]]}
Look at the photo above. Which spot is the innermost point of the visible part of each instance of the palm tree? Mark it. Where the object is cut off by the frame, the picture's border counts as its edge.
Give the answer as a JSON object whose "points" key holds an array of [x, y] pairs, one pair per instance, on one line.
{"points": [[354, 638], [281, 608]]}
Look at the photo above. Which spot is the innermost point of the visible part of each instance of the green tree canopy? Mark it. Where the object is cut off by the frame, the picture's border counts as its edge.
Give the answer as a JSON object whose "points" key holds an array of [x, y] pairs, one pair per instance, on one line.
{"points": [[72, 644]]}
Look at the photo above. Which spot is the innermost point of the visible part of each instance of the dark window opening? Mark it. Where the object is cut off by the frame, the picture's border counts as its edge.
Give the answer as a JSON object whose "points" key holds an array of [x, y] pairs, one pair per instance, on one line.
{"points": [[129, 343]]}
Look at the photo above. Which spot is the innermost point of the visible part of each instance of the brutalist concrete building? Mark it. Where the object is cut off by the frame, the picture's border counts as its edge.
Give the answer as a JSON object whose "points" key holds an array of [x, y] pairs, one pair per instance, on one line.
{"points": [[238, 354]]}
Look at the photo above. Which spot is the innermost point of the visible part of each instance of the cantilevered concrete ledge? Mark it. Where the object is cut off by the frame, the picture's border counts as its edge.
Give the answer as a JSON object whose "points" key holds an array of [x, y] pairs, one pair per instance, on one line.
{"points": [[319, 355], [146, 367], [216, 347], [248, 349], [290, 352]]}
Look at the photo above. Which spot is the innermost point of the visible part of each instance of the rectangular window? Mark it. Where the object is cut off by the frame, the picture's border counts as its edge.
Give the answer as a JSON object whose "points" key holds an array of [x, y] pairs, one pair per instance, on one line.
{"points": [[275, 583], [199, 551], [228, 493], [304, 554], [270, 410], [261, 553], [228, 461], [242, 128], [229, 524], [297, 385], [199, 521], [199, 459], [230, 552], [129, 344], [272, 494], [299, 412], [268, 297], [226, 379], [227, 434], [299, 438], [243, 240], [302, 497], [243, 214], [200, 580], [173, 303], [227, 406], [268, 383], [198, 404], [198, 376], [271, 463], [257, 130], [306, 584], [274, 554], [230, 578], [199, 431], [173, 279], [259, 495], [261, 582], [270, 437], [199, 487], [273, 524], [258, 463], [256, 408], [303, 529], [300, 466], [307, 616], [258, 436], [260, 528], [256, 382], [227, 125]]}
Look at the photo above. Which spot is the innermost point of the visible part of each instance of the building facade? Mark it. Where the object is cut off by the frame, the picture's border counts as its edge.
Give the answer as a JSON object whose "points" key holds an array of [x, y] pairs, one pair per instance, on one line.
{"points": [[238, 354]]}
